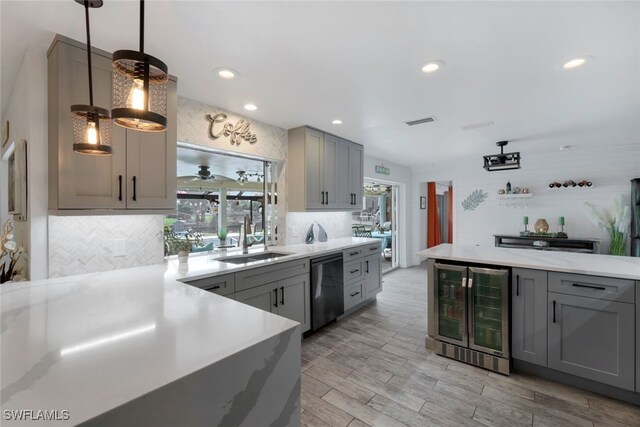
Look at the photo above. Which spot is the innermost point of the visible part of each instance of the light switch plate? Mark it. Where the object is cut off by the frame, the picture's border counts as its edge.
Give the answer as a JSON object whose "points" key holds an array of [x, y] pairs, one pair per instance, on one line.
{"points": [[119, 247]]}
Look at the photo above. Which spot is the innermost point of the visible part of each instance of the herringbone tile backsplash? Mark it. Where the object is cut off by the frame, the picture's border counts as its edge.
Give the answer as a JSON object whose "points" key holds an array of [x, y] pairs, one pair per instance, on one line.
{"points": [[85, 244]]}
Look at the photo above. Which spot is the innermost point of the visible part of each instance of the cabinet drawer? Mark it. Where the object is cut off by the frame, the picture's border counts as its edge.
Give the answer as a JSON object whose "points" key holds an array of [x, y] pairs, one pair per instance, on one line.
{"points": [[353, 253], [221, 285], [372, 249], [353, 270], [248, 279], [607, 288], [353, 295]]}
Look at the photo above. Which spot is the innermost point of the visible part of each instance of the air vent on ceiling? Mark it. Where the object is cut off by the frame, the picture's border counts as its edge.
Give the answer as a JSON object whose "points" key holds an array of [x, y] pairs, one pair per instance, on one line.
{"points": [[476, 126], [421, 121]]}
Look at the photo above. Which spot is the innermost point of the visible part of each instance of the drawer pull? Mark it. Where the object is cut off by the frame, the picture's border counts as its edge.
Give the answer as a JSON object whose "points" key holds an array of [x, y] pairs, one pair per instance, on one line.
{"points": [[373, 249], [367, 267], [354, 271], [554, 312], [276, 299], [213, 288], [353, 253], [600, 288], [355, 293], [517, 285]]}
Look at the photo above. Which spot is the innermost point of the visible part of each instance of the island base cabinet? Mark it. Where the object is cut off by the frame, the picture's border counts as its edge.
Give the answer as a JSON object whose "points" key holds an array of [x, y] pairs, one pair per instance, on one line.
{"points": [[592, 338], [529, 315], [372, 275], [288, 298]]}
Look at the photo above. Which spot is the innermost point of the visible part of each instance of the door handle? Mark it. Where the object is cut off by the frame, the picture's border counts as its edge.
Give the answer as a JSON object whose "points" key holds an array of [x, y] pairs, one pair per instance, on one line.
{"points": [[554, 312], [470, 283], [327, 194], [120, 188], [464, 282], [134, 179], [276, 300], [322, 197], [600, 288], [282, 296], [367, 266], [517, 285]]}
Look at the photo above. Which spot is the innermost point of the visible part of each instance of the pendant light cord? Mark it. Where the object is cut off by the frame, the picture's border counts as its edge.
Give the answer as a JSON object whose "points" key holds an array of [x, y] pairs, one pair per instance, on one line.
{"points": [[86, 15], [141, 25]]}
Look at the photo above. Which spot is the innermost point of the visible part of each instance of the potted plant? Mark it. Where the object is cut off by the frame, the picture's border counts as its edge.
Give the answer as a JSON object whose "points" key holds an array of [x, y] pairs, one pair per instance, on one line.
{"points": [[11, 255], [222, 235], [181, 244], [615, 221]]}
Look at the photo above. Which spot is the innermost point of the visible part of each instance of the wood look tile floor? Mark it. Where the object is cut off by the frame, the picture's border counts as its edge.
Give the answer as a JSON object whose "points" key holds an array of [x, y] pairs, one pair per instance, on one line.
{"points": [[372, 368]]}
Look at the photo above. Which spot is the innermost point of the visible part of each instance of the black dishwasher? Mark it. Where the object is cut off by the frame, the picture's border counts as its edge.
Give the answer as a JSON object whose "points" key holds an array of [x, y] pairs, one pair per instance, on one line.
{"points": [[327, 287]]}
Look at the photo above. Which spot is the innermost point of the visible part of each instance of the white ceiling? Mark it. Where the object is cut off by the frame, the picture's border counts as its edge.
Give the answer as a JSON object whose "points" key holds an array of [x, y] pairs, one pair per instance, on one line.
{"points": [[312, 62]]}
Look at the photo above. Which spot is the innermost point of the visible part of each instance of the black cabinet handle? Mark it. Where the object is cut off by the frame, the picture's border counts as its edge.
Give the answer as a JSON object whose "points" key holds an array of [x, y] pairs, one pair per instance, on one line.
{"points": [[367, 262], [554, 312], [282, 296], [600, 288], [517, 285], [327, 195], [276, 300], [213, 288], [134, 179], [120, 188], [353, 253], [354, 294], [322, 197], [354, 271], [373, 249]]}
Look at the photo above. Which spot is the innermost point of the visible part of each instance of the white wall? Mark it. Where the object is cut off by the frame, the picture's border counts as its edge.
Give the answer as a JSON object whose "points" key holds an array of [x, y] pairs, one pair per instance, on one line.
{"points": [[400, 175], [27, 115], [610, 170]]}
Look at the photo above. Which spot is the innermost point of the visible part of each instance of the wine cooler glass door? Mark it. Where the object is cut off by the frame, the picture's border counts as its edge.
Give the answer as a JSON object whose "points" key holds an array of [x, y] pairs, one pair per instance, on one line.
{"points": [[451, 303], [489, 309]]}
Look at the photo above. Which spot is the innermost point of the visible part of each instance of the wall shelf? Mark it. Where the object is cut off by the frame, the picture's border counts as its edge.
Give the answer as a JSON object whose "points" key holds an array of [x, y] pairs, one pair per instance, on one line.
{"points": [[518, 196]]}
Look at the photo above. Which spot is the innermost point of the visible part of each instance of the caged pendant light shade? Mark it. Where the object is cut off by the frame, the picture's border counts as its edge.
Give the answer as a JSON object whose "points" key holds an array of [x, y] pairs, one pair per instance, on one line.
{"points": [[139, 88], [91, 125]]}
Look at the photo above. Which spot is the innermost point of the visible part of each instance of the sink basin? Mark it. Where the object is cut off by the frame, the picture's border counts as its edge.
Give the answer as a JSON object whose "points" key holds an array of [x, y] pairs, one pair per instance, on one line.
{"points": [[243, 259]]}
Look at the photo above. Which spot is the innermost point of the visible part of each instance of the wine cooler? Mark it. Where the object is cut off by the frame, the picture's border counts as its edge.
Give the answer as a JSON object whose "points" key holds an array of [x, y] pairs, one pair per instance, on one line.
{"points": [[469, 314]]}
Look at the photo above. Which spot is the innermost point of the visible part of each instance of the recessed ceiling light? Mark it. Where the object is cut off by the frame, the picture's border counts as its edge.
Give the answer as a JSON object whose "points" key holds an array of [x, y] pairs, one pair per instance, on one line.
{"points": [[226, 73], [250, 107], [433, 66], [575, 63], [337, 122]]}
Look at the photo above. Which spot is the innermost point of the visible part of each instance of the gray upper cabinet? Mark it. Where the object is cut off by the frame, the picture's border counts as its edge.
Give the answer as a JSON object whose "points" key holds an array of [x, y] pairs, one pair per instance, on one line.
{"points": [[324, 172], [84, 182], [529, 315], [592, 338]]}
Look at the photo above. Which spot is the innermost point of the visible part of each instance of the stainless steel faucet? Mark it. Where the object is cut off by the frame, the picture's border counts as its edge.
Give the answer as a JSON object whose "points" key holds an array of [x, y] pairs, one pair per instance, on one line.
{"points": [[247, 229]]}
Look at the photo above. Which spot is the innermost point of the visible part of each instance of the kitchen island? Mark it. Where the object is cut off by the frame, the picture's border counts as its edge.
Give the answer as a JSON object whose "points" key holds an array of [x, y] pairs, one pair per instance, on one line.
{"points": [[139, 347], [571, 317]]}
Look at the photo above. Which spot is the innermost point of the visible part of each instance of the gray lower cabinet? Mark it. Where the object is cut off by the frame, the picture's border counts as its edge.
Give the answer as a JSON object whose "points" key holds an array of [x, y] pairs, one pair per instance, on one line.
{"points": [[372, 275], [288, 298], [592, 338], [638, 336], [529, 315], [222, 285]]}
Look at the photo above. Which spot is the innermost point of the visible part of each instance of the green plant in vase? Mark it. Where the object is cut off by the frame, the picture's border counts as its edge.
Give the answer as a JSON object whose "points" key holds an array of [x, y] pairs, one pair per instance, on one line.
{"points": [[614, 221], [222, 235]]}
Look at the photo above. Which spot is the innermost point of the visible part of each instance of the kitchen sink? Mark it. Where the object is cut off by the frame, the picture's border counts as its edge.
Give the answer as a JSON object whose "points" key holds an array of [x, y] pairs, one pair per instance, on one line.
{"points": [[243, 259]]}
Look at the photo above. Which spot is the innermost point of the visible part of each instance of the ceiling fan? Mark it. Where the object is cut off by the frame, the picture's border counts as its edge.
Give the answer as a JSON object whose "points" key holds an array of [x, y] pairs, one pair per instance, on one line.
{"points": [[204, 174]]}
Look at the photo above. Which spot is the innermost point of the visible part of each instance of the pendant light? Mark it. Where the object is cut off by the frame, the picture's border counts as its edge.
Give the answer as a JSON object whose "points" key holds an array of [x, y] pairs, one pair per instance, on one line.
{"points": [[91, 124], [139, 88]]}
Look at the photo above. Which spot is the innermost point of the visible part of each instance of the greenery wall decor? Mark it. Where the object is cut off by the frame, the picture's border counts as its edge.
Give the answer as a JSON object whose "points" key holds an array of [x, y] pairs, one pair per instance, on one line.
{"points": [[474, 199]]}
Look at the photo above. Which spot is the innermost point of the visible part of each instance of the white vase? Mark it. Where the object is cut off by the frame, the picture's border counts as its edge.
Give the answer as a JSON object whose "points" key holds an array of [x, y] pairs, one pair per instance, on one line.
{"points": [[183, 256]]}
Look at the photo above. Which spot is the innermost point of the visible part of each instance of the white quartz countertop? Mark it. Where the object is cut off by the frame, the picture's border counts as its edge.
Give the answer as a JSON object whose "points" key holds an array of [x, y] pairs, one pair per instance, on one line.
{"points": [[92, 342], [567, 262]]}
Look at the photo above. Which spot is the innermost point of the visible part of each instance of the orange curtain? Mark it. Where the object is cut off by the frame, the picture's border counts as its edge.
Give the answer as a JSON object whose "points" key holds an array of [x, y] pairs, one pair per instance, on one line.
{"points": [[450, 214], [433, 226]]}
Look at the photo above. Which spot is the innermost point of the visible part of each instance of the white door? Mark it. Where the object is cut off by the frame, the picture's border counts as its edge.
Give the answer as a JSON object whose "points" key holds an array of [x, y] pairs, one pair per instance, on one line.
{"points": [[395, 195]]}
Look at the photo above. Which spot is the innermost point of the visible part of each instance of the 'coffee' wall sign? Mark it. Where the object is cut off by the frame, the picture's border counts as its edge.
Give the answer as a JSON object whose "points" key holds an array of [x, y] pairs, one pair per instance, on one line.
{"points": [[238, 133]]}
